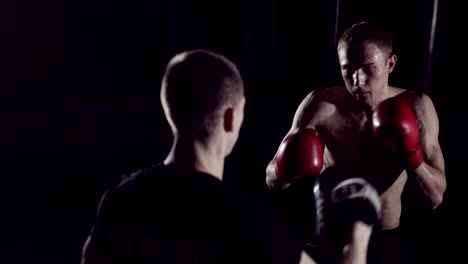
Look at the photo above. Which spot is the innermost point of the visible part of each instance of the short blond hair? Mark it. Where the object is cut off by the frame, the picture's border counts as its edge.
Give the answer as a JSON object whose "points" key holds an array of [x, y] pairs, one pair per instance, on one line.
{"points": [[196, 86]]}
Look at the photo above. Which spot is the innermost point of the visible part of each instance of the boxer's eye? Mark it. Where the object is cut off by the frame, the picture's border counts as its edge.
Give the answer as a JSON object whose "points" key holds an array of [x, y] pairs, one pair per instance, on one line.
{"points": [[369, 69], [347, 72]]}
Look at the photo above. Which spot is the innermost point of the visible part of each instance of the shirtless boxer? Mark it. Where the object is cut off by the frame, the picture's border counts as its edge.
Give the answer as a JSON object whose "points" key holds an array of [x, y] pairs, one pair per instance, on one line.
{"points": [[388, 144]]}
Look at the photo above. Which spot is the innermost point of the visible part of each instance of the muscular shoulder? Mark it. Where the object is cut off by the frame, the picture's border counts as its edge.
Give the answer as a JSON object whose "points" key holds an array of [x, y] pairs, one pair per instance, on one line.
{"points": [[319, 105], [420, 102], [329, 96]]}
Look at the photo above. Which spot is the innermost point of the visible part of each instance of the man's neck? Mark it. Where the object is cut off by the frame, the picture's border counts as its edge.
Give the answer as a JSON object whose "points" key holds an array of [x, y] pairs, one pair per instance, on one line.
{"points": [[386, 93], [197, 156]]}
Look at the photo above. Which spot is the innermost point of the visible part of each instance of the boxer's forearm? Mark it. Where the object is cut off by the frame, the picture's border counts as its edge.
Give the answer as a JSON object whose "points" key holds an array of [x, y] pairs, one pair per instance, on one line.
{"points": [[270, 173], [431, 182], [355, 252], [272, 179], [306, 259]]}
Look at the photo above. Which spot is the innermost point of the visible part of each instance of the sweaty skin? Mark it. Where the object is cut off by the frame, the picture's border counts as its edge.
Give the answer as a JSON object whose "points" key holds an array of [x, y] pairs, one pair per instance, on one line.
{"points": [[350, 146], [343, 115]]}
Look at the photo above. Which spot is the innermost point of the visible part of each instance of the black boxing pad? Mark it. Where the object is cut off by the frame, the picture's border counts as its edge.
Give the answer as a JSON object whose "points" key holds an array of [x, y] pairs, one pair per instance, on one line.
{"points": [[340, 202], [355, 199], [323, 187]]}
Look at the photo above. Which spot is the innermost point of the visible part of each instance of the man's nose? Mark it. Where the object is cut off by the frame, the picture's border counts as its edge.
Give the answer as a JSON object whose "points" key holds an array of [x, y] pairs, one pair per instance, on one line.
{"points": [[359, 78]]}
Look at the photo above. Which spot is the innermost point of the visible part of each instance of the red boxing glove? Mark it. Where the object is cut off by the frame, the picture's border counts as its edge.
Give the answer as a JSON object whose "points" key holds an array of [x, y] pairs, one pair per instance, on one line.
{"points": [[300, 154], [394, 122]]}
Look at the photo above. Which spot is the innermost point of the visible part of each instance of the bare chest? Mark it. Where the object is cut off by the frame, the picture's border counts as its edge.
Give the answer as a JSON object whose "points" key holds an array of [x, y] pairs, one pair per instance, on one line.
{"points": [[347, 137], [351, 147]]}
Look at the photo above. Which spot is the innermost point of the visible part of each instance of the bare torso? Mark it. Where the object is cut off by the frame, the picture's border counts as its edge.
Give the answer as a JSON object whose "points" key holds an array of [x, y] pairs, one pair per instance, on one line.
{"points": [[350, 147]]}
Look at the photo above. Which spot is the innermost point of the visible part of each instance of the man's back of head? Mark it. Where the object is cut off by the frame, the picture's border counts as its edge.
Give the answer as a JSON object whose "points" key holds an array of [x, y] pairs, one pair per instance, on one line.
{"points": [[196, 87]]}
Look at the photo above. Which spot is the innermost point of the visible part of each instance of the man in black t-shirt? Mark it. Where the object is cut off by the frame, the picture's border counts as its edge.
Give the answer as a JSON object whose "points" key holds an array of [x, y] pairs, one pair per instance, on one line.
{"points": [[166, 215]]}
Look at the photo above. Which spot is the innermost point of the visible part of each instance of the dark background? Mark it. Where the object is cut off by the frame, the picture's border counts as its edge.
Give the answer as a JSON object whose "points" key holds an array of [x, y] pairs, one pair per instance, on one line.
{"points": [[79, 100]]}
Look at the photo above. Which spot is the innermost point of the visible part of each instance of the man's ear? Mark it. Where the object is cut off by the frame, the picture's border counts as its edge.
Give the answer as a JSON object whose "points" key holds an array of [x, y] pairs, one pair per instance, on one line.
{"points": [[391, 63], [229, 119]]}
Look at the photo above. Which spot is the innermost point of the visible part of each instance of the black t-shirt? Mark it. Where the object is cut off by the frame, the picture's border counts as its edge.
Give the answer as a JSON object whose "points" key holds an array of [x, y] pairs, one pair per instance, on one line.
{"points": [[160, 215]]}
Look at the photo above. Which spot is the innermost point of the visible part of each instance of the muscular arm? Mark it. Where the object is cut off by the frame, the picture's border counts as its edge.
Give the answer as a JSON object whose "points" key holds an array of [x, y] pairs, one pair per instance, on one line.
{"points": [[355, 251], [306, 116], [306, 259], [430, 176]]}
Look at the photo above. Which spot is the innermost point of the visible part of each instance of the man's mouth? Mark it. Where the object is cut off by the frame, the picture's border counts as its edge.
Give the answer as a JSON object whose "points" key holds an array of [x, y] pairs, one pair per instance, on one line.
{"points": [[361, 95]]}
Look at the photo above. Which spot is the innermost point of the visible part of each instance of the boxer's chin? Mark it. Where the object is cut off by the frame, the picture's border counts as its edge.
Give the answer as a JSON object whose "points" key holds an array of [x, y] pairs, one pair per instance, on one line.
{"points": [[364, 99]]}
